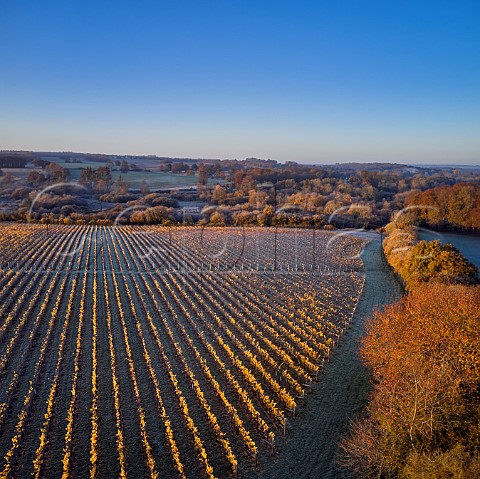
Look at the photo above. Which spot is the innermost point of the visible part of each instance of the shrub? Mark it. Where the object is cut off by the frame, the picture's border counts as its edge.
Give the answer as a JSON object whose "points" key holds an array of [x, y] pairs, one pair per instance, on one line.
{"points": [[457, 463], [439, 262]]}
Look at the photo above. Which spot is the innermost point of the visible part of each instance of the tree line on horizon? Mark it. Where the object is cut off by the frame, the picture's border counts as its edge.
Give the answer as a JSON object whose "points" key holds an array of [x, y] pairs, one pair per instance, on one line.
{"points": [[254, 193]]}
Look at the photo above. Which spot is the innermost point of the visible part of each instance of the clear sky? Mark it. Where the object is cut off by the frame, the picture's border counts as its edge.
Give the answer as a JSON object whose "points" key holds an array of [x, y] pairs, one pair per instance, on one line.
{"points": [[317, 82]]}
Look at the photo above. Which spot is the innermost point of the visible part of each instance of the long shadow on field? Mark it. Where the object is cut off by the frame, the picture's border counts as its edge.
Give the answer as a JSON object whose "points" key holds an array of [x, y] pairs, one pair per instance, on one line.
{"points": [[311, 446]]}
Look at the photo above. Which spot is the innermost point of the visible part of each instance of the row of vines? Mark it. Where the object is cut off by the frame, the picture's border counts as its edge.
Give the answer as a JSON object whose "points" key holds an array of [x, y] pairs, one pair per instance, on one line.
{"points": [[146, 352]]}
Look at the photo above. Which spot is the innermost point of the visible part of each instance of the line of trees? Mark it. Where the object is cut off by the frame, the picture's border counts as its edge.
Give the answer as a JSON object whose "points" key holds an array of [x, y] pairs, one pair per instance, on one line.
{"points": [[423, 418], [454, 207], [264, 193]]}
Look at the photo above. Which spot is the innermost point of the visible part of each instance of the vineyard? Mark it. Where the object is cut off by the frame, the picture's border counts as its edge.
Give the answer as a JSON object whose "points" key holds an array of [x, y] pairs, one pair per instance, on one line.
{"points": [[139, 352]]}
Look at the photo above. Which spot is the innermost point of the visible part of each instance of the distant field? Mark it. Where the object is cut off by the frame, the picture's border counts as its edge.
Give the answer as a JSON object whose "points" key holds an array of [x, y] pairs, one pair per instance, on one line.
{"points": [[78, 166], [156, 179], [155, 352], [20, 173]]}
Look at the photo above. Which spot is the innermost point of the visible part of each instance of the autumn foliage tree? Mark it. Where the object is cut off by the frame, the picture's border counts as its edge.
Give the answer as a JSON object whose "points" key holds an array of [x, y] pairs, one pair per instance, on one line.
{"points": [[424, 413], [398, 246], [455, 207], [434, 261], [421, 261]]}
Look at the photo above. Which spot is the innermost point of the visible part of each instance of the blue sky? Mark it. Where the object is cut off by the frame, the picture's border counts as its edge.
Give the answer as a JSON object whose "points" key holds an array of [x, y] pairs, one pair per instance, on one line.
{"points": [[314, 82]]}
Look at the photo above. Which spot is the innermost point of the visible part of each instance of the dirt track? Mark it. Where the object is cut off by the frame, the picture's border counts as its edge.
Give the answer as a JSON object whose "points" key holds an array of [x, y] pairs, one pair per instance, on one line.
{"points": [[310, 448]]}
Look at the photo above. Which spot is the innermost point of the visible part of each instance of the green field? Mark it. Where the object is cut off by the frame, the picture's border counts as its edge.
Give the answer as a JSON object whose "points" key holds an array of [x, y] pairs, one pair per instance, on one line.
{"points": [[156, 179]]}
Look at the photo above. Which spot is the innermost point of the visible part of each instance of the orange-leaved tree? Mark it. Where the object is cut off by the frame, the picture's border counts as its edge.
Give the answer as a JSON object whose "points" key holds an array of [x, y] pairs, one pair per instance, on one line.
{"points": [[424, 354]]}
